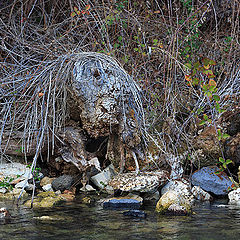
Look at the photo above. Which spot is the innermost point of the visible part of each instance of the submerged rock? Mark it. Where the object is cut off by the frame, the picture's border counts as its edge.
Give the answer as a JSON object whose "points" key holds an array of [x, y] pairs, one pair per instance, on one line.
{"points": [[123, 203], [45, 200], [135, 213], [142, 182], [234, 197], [209, 181]]}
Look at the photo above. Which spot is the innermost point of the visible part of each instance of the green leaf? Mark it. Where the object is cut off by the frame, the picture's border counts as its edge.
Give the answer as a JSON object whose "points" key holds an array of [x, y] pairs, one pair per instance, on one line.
{"points": [[225, 165], [228, 161], [116, 45], [212, 88], [155, 42], [225, 136], [209, 94], [196, 65], [188, 65], [221, 160], [219, 132], [120, 38], [205, 117], [202, 123], [135, 49], [205, 87], [216, 98]]}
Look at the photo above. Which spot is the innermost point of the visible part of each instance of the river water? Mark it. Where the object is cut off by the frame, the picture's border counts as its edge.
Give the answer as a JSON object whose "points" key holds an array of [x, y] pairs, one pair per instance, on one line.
{"points": [[81, 221]]}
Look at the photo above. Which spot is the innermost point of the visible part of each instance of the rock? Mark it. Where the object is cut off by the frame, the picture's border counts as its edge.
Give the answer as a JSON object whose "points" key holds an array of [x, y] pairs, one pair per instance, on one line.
{"points": [[29, 187], [211, 182], [87, 188], [200, 194], [86, 200], [45, 200], [94, 161], [68, 196], [142, 182], [176, 209], [101, 179], [14, 194], [135, 213], [176, 199], [47, 187], [234, 197], [46, 180], [13, 170], [121, 203], [179, 186], [172, 203], [22, 184], [152, 196], [3, 190], [168, 198], [63, 182]]}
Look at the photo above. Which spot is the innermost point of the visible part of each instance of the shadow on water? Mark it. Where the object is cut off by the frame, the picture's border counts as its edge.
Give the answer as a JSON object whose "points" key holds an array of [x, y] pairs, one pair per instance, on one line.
{"points": [[80, 221]]}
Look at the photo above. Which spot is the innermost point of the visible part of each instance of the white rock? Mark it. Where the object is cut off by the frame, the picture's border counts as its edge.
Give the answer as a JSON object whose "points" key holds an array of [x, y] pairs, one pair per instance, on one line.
{"points": [[234, 197], [15, 169], [147, 182], [87, 188], [96, 163], [200, 194], [47, 187], [3, 190], [101, 179], [22, 184]]}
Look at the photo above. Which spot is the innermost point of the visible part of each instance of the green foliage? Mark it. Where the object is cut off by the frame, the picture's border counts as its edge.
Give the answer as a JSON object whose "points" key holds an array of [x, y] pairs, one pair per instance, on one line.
{"points": [[5, 183], [35, 172]]}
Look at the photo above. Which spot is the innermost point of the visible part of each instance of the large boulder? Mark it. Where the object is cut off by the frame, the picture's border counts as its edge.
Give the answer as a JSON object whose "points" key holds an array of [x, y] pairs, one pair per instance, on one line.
{"points": [[210, 181]]}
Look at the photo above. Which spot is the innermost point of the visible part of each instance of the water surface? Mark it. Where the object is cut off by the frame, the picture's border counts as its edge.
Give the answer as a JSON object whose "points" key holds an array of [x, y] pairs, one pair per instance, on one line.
{"points": [[80, 221]]}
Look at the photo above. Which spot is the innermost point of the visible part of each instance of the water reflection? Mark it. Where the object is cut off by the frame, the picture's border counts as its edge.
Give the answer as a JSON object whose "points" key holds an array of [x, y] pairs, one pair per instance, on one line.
{"points": [[80, 221]]}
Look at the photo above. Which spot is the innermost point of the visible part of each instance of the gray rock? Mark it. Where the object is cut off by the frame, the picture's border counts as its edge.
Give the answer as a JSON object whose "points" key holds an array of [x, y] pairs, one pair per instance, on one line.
{"points": [[200, 194], [62, 183], [101, 179], [209, 181]]}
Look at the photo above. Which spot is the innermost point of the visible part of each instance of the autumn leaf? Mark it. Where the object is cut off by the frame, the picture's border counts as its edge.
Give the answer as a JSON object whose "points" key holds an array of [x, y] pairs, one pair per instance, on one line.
{"points": [[88, 7], [212, 83], [40, 94], [188, 78], [73, 14]]}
